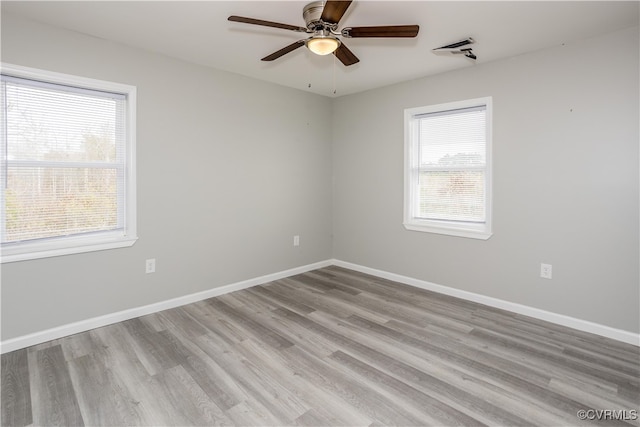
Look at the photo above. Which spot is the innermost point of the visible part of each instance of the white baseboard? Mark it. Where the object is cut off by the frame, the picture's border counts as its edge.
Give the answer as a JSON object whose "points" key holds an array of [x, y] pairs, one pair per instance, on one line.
{"points": [[108, 319], [559, 319]]}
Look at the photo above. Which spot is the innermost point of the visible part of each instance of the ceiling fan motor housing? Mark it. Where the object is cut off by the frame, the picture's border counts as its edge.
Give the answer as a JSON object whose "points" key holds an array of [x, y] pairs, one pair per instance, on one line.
{"points": [[312, 13], [323, 42]]}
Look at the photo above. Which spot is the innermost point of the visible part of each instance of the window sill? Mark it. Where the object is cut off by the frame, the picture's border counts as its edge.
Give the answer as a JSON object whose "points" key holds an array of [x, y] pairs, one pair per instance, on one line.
{"points": [[47, 249], [430, 227]]}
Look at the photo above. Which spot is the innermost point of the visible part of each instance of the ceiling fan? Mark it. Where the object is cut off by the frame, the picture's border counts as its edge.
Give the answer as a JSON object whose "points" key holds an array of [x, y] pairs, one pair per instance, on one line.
{"points": [[322, 20]]}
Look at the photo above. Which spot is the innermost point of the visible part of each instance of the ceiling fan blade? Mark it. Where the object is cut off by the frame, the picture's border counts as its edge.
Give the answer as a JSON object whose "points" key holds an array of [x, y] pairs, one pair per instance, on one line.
{"points": [[345, 55], [382, 31], [334, 10], [284, 51], [266, 23]]}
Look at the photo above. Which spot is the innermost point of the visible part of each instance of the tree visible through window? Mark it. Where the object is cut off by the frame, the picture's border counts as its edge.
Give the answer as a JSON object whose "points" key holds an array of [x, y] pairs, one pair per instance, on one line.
{"points": [[66, 165]]}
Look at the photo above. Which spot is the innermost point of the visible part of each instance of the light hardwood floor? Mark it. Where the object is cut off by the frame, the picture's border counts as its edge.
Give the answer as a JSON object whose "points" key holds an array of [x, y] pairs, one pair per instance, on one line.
{"points": [[330, 347]]}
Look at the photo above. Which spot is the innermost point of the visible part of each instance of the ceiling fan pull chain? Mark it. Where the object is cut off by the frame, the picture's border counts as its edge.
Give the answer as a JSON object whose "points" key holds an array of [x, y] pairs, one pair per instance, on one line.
{"points": [[334, 74]]}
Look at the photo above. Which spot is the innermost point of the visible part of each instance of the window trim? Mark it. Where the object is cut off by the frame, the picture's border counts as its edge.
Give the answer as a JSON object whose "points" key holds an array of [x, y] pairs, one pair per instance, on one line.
{"points": [[452, 228], [82, 243]]}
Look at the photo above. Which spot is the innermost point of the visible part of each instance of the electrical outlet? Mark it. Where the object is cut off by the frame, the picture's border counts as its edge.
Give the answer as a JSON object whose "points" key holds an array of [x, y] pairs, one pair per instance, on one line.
{"points": [[545, 271], [296, 240], [150, 265]]}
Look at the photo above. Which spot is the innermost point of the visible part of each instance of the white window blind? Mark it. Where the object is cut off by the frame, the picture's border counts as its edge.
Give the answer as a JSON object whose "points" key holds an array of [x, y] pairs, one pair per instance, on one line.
{"points": [[64, 162], [452, 165], [448, 168]]}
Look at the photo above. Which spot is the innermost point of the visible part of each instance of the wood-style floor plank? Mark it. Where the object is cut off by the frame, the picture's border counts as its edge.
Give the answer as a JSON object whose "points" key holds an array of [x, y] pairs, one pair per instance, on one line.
{"points": [[54, 399], [101, 398], [330, 347], [16, 392]]}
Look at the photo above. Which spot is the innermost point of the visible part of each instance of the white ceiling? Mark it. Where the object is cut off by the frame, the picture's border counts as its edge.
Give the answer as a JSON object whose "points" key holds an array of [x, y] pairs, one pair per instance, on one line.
{"points": [[198, 32]]}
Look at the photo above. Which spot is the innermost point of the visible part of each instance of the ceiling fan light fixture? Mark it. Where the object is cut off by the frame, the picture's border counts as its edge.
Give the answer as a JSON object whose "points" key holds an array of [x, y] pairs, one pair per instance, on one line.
{"points": [[323, 45], [322, 18]]}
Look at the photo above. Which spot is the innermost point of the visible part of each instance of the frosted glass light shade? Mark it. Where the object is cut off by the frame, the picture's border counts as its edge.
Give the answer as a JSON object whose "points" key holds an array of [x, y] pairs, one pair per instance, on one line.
{"points": [[321, 45]]}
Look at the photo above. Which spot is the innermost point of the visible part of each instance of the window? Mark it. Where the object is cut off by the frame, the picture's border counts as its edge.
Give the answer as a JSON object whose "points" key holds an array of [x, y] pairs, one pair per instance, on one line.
{"points": [[68, 164], [448, 169]]}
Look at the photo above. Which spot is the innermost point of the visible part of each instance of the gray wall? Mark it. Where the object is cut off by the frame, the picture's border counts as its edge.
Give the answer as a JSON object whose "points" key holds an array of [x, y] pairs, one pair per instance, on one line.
{"points": [[566, 181], [229, 169]]}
